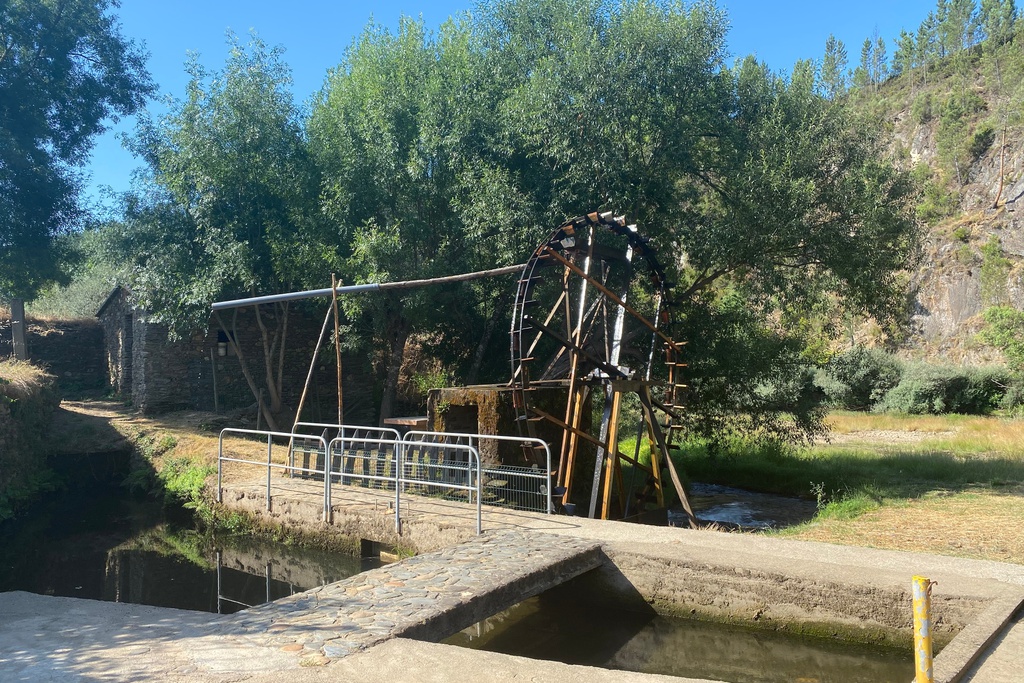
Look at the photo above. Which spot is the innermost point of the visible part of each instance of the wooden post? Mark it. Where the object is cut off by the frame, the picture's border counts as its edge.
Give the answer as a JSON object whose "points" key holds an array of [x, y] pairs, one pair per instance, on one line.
{"points": [[18, 329], [213, 369], [337, 342]]}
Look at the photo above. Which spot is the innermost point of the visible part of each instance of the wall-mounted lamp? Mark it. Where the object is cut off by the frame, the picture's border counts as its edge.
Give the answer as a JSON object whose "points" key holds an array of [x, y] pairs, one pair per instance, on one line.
{"points": [[222, 348]]}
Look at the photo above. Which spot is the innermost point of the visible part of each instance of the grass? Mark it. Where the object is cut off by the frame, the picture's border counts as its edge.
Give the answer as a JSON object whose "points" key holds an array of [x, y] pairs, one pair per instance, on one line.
{"points": [[946, 484], [20, 380]]}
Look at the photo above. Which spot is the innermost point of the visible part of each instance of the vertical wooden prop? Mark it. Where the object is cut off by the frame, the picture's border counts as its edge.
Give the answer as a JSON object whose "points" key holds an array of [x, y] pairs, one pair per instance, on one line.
{"points": [[337, 341], [18, 329]]}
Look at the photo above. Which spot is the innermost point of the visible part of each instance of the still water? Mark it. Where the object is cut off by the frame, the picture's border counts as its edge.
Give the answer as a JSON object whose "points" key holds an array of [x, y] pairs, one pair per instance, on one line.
{"points": [[118, 549], [559, 626]]}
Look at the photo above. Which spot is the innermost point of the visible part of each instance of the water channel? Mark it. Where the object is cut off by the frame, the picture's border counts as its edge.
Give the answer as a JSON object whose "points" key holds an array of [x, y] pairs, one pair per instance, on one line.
{"points": [[140, 551], [559, 626], [107, 546]]}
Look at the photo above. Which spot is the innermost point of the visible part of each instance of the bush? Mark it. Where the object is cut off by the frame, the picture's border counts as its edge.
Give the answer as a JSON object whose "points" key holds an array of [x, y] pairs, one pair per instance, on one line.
{"points": [[1013, 399], [921, 110], [937, 389], [859, 378]]}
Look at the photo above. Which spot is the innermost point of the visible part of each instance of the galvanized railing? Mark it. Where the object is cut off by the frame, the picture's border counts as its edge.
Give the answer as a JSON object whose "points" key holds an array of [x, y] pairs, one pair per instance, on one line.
{"points": [[373, 457], [521, 488], [269, 464]]}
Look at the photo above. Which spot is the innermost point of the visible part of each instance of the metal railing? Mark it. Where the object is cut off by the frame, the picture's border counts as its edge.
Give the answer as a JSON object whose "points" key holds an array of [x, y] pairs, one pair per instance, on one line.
{"points": [[373, 457], [269, 464], [520, 488], [424, 470]]}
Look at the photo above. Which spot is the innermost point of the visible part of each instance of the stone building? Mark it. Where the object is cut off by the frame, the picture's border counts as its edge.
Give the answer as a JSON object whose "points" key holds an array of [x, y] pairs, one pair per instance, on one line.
{"points": [[201, 371]]}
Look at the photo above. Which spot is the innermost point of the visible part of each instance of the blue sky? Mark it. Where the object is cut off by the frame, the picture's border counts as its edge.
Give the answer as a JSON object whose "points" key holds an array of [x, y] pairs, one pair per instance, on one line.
{"points": [[315, 34]]}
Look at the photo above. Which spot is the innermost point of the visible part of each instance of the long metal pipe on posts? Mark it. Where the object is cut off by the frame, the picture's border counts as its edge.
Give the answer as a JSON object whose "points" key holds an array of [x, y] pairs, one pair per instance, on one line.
{"points": [[922, 592], [372, 287]]}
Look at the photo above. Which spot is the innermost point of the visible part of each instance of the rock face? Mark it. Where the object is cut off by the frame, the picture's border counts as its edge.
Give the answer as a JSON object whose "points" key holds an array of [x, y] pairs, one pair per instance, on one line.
{"points": [[973, 259]]}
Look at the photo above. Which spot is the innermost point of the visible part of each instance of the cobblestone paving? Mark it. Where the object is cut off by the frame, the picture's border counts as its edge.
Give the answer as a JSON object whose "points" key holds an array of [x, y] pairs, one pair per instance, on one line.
{"points": [[422, 596]]}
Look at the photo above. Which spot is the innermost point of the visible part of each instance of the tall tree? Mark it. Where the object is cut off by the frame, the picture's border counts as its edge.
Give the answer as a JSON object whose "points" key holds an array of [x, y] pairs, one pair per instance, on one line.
{"points": [[927, 45], [879, 61], [905, 57], [833, 68], [229, 205], [765, 195], [996, 20], [65, 69]]}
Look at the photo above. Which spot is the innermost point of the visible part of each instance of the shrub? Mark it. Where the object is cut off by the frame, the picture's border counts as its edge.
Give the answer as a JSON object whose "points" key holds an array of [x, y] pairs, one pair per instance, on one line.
{"points": [[937, 389], [921, 109], [859, 378], [982, 139]]}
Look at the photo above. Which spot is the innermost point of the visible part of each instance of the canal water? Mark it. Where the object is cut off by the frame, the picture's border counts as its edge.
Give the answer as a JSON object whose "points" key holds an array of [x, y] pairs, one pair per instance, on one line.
{"points": [[559, 626], [119, 549]]}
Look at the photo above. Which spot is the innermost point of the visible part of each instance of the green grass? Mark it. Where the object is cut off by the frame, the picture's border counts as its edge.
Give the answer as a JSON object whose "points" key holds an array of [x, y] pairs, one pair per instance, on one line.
{"points": [[955, 454]]}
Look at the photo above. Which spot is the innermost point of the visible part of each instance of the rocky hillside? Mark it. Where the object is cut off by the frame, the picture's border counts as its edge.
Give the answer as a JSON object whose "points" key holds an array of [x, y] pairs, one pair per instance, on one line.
{"points": [[962, 135]]}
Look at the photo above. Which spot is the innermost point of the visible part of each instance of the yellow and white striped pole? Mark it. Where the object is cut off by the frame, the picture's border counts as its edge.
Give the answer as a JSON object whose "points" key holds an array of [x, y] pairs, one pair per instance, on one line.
{"points": [[922, 630]]}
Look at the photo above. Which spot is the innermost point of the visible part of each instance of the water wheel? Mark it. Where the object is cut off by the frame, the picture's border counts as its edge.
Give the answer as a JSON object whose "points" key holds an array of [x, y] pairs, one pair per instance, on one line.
{"points": [[593, 319]]}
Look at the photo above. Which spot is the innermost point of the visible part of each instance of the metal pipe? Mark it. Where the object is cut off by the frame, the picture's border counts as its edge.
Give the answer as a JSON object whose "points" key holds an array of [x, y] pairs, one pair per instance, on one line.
{"points": [[922, 591], [371, 287]]}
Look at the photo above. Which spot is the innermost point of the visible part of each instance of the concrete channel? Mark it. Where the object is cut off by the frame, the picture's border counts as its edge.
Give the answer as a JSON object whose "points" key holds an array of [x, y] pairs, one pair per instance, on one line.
{"points": [[383, 625]]}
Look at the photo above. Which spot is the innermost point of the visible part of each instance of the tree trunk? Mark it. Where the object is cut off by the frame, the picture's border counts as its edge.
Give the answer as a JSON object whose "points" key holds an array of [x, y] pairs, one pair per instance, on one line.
{"points": [[485, 340], [1002, 154], [398, 334], [232, 336]]}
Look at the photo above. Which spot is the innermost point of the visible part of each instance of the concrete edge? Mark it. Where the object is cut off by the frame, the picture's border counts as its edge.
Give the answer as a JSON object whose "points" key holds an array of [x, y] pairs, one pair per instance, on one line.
{"points": [[973, 641]]}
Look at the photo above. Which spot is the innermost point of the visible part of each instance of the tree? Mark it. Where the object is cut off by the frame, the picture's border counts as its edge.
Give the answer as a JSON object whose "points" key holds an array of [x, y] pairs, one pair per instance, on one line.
{"points": [[229, 205], [440, 154], [927, 45], [996, 19], [65, 69], [801, 209], [905, 58], [862, 75], [833, 68], [879, 61]]}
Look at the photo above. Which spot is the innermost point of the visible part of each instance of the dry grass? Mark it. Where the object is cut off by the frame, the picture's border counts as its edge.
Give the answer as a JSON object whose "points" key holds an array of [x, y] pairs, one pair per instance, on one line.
{"points": [[961, 434], [982, 524], [20, 380]]}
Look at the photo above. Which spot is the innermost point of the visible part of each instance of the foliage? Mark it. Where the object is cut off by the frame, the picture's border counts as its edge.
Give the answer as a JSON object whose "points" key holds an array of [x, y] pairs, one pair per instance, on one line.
{"points": [[229, 207], [434, 154], [748, 377], [28, 398], [937, 389], [65, 69], [860, 377], [921, 109], [93, 273], [1004, 329], [995, 268], [833, 68], [935, 200]]}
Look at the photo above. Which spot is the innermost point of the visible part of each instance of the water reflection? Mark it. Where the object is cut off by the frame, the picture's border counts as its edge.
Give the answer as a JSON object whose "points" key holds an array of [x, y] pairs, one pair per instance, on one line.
{"points": [[139, 552], [554, 628]]}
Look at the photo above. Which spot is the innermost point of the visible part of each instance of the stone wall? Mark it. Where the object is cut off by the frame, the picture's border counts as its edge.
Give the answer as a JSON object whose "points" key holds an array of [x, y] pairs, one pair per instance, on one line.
{"points": [[173, 374], [71, 350], [116, 318]]}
